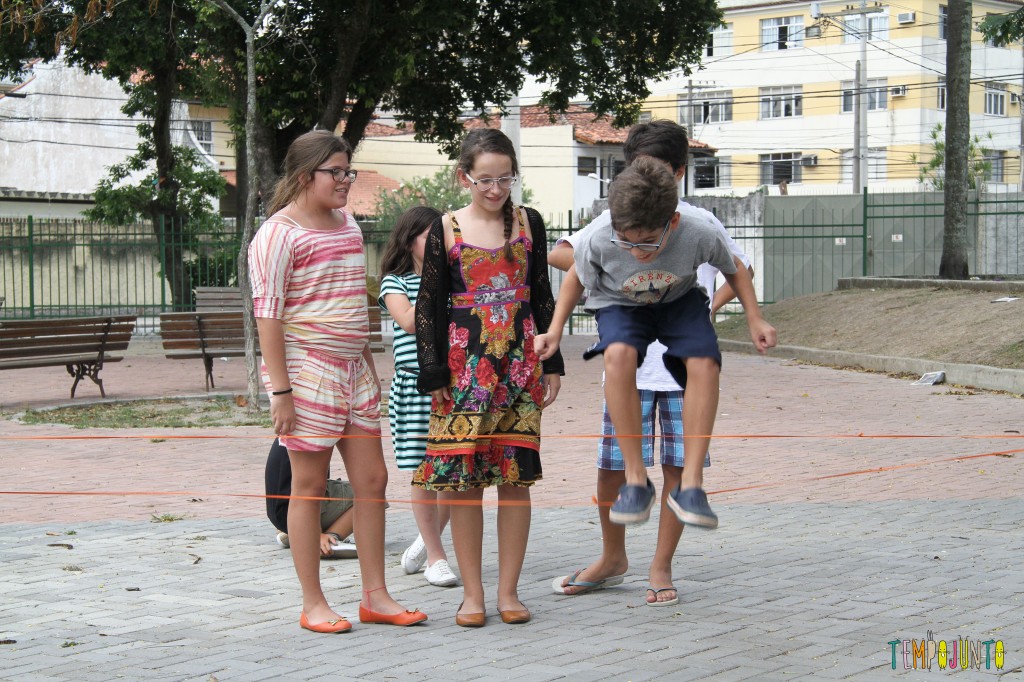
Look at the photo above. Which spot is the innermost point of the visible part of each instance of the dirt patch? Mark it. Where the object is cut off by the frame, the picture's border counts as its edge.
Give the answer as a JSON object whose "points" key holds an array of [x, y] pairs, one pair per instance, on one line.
{"points": [[164, 413], [945, 325]]}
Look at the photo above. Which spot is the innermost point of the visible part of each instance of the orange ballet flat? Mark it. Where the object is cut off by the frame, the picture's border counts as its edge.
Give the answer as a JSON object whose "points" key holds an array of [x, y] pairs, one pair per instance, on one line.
{"points": [[404, 618], [327, 627]]}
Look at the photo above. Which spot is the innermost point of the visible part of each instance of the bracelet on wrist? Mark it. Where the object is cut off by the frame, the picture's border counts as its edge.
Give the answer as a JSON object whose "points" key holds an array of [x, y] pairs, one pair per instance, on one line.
{"points": [[284, 392]]}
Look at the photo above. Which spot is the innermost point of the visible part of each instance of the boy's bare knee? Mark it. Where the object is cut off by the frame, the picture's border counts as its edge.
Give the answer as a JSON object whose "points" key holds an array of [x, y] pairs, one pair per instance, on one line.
{"points": [[702, 367], [620, 357]]}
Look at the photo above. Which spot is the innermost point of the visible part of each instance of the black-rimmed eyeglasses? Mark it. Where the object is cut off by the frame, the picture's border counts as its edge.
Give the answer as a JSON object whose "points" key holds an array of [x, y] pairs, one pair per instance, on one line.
{"points": [[339, 174]]}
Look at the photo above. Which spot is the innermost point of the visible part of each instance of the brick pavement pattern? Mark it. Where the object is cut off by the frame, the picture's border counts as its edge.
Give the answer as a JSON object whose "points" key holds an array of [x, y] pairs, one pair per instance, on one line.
{"points": [[856, 509]]}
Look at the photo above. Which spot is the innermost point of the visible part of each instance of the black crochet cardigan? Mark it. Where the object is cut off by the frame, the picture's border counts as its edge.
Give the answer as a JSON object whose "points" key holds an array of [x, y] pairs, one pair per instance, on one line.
{"points": [[433, 302]]}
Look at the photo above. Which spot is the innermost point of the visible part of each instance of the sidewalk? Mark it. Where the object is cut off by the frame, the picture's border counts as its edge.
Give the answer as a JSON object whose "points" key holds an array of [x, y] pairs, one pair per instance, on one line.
{"points": [[856, 510]]}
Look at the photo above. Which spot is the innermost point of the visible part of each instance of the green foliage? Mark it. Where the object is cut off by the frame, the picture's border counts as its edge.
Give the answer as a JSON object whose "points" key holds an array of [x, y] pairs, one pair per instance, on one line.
{"points": [[122, 197], [1003, 29], [440, 191], [931, 173]]}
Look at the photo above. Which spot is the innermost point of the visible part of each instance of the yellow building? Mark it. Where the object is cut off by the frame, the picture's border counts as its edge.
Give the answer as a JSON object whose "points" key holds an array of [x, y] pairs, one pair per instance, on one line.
{"points": [[776, 95]]}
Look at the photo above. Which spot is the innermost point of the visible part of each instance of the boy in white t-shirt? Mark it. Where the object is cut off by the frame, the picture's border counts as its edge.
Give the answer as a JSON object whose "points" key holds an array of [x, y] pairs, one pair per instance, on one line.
{"points": [[659, 394]]}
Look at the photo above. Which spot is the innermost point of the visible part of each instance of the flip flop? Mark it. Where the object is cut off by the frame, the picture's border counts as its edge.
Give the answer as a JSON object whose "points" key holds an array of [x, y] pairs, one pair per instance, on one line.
{"points": [[667, 602], [586, 585]]}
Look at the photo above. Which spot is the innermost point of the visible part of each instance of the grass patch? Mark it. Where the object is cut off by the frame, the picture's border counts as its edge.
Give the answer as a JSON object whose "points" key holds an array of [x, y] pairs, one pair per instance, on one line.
{"points": [[165, 518], [168, 413]]}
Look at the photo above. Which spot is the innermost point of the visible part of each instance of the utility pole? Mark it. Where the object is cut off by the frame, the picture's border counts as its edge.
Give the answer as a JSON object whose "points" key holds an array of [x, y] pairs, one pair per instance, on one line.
{"points": [[857, 119], [860, 91], [510, 126], [688, 184]]}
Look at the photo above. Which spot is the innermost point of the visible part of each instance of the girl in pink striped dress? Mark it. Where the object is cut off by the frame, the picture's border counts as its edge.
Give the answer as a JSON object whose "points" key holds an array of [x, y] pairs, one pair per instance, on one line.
{"points": [[308, 271]]}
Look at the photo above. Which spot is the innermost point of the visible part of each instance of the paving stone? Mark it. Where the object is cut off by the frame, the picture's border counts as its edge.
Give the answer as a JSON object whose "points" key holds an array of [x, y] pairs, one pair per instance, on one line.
{"points": [[805, 578]]}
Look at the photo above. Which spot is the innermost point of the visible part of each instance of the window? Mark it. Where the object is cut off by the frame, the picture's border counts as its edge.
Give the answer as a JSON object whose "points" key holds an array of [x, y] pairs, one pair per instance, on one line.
{"points": [[203, 130], [940, 95], [878, 27], [710, 172], [778, 167], [783, 33], [877, 94], [782, 102], [989, 42], [585, 165], [645, 117], [719, 42], [708, 107], [996, 161], [995, 99], [876, 164], [943, 21]]}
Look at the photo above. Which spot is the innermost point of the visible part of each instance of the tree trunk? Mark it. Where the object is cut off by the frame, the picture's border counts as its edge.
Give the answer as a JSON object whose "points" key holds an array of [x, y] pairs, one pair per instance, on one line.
{"points": [[958, 134], [168, 225]]}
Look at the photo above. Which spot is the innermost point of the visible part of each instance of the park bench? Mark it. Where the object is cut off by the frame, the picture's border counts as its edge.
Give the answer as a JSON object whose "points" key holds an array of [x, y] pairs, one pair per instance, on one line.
{"points": [[216, 329], [80, 344]]}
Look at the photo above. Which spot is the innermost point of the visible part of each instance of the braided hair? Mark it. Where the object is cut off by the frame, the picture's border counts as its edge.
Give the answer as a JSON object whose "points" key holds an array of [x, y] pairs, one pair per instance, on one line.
{"points": [[489, 140]]}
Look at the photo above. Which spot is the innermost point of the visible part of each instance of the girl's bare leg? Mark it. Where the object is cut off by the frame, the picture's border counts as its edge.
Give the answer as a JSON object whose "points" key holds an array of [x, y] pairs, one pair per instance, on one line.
{"points": [[309, 479], [431, 517], [467, 538], [364, 464], [514, 514]]}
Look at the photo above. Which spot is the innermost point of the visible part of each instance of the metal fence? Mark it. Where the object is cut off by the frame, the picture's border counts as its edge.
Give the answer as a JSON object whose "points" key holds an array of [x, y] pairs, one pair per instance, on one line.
{"points": [[799, 245]]}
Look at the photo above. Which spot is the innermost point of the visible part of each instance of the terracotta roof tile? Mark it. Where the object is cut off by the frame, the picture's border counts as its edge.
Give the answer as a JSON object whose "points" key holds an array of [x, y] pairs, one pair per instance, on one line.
{"points": [[362, 198], [587, 129]]}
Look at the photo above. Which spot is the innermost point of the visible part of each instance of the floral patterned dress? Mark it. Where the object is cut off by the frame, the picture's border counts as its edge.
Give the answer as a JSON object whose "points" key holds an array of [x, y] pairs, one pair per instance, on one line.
{"points": [[488, 433]]}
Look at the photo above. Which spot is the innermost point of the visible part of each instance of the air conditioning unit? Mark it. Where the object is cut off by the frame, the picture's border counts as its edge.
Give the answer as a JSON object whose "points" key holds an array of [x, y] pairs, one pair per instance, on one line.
{"points": [[906, 18], [1014, 98], [811, 160], [898, 91]]}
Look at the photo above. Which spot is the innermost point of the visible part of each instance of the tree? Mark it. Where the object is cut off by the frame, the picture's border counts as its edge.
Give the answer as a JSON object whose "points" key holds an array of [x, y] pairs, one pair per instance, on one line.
{"points": [[932, 173], [322, 62], [953, 263], [440, 190], [148, 48]]}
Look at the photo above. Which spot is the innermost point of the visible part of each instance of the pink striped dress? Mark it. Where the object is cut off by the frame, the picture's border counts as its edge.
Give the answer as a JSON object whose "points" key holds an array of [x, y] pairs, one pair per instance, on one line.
{"points": [[314, 281]]}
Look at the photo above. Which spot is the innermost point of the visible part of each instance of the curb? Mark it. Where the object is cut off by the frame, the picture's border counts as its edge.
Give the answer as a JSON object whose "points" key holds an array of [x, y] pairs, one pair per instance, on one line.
{"points": [[975, 376]]}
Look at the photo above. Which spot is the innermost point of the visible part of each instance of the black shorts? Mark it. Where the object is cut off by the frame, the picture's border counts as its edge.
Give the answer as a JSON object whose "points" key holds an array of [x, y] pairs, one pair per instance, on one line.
{"points": [[683, 326]]}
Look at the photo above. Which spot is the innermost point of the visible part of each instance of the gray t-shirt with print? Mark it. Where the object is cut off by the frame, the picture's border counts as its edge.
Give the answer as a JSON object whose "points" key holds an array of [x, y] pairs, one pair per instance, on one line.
{"points": [[614, 277]]}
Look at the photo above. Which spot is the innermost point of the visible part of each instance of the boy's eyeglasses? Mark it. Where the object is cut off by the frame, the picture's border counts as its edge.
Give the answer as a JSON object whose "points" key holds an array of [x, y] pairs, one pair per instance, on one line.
{"points": [[623, 244], [504, 183], [339, 174]]}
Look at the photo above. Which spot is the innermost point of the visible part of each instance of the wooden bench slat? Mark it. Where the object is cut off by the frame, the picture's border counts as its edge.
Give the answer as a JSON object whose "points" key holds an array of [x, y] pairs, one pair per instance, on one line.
{"points": [[82, 344]]}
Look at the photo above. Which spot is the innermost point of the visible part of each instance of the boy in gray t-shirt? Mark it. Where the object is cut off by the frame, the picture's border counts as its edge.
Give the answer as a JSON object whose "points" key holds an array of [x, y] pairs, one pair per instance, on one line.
{"points": [[641, 271]]}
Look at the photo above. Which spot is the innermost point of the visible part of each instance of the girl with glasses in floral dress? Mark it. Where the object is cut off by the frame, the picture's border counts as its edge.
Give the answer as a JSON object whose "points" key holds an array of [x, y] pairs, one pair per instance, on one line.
{"points": [[484, 295]]}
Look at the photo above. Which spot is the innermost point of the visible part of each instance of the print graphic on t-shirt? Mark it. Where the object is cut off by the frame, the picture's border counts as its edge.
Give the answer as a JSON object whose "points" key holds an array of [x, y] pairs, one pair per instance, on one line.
{"points": [[649, 286]]}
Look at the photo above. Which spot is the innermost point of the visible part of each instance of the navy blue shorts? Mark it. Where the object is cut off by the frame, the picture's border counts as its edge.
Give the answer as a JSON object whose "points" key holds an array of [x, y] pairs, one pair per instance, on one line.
{"points": [[683, 326]]}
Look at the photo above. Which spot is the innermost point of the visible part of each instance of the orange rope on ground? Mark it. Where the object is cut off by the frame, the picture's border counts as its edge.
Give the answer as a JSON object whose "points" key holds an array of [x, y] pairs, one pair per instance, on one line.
{"points": [[772, 484], [838, 436]]}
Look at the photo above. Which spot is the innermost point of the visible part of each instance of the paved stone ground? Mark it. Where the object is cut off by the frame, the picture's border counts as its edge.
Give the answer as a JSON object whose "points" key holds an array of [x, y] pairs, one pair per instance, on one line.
{"points": [[856, 509]]}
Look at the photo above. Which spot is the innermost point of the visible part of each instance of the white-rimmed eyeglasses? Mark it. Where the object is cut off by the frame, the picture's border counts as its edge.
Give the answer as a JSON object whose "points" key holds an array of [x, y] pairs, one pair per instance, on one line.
{"points": [[506, 182]]}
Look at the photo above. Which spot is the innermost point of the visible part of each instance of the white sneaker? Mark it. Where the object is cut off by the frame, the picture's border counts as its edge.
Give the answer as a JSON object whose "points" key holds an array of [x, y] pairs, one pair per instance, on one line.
{"points": [[282, 539], [440, 574], [414, 556]]}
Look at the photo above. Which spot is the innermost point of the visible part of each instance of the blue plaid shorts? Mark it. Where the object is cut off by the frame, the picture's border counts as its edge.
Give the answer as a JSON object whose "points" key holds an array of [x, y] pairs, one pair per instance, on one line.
{"points": [[669, 406]]}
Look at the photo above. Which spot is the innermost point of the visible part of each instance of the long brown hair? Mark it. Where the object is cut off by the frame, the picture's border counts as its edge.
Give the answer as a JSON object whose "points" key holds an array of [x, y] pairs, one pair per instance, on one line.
{"points": [[304, 155], [397, 258], [489, 140]]}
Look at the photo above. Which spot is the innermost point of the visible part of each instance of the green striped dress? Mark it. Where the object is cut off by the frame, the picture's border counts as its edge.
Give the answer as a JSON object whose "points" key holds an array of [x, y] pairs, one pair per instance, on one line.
{"points": [[408, 409]]}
